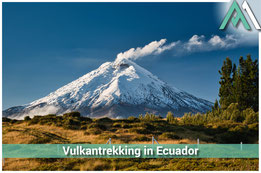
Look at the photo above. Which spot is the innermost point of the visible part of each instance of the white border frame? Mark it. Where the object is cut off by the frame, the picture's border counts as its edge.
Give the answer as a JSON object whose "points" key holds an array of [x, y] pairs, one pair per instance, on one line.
{"points": [[1, 36]]}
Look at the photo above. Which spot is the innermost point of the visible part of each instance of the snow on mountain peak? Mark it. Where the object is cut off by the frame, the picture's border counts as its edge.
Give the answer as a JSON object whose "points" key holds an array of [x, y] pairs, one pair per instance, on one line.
{"points": [[116, 89]]}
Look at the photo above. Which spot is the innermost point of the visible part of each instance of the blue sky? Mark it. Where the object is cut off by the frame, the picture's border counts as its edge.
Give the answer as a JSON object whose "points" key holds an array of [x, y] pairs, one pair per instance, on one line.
{"points": [[47, 45]]}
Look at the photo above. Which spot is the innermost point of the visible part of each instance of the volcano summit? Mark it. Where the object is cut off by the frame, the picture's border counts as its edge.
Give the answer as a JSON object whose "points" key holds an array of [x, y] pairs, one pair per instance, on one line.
{"points": [[116, 89]]}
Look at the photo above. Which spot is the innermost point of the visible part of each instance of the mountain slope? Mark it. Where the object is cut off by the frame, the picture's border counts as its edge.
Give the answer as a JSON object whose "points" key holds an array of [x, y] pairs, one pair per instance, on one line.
{"points": [[116, 89]]}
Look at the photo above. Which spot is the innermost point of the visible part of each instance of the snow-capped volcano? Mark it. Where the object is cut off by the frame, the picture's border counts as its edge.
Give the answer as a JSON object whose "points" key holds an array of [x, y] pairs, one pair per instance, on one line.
{"points": [[116, 89]]}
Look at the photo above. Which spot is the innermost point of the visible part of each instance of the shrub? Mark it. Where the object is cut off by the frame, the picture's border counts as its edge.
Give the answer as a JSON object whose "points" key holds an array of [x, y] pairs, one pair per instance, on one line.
{"points": [[148, 117], [132, 118], [40, 140], [117, 125], [147, 125], [169, 135], [250, 116], [27, 118], [238, 129], [4, 119], [83, 127], [186, 119], [142, 138], [86, 119], [233, 113], [72, 114], [97, 126], [71, 123], [139, 131], [35, 120], [253, 127], [125, 126], [170, 117], [47, 119], [104, 120]]}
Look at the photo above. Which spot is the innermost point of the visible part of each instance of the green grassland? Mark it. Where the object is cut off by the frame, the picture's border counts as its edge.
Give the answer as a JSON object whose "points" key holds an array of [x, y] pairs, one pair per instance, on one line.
{"points": [[233, 119], [73, 128]]}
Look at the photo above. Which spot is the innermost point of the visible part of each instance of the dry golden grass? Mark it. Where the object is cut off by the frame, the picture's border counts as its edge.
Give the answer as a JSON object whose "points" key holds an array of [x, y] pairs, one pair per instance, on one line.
{"points": [[85, 164], [23, 133], [16, 164]]}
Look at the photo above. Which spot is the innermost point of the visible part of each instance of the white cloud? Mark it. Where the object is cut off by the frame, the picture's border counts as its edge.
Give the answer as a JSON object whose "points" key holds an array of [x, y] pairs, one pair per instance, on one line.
{"points": [[195, 40], [201, 44], [217, 41], [167, 47], [226, 42], [49, 109], [153, 48], [195, 44]]}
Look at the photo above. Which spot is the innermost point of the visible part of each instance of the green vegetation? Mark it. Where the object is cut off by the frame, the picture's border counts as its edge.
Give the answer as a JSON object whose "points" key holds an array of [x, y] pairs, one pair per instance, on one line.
{"points": [[230, 115], [95, 131], [72, 120], [171, 119], [232, 121], [239, 84], [238, 94], [149, 117], [229, 126]]}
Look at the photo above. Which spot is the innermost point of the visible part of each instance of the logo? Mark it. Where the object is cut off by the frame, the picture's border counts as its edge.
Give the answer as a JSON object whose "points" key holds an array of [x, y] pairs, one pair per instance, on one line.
{"points": [[239, 16]]}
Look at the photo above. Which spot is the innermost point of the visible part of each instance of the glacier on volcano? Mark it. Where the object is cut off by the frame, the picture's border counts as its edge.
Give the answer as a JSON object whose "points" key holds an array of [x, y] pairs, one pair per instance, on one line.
{"points": [[116, 89]]}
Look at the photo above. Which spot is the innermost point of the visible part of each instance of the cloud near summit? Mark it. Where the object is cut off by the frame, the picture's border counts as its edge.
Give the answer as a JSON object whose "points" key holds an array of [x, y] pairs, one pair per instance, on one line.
{"points": [[153, 48], [195, 44]]}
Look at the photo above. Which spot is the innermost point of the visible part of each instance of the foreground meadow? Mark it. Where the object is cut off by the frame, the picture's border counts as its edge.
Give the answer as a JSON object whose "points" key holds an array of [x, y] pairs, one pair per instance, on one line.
{"points": [[72, 128]]}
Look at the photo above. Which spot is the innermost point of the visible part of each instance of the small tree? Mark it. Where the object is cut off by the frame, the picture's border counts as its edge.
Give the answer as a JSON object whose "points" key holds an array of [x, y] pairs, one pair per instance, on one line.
{"points": [[147, 116], [216, 108], [132, 118], [233, 113], [140, 116], [27, 118], [170, 117]]}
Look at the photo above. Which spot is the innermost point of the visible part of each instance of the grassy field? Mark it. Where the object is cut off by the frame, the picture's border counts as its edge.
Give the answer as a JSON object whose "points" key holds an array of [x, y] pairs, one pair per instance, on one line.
{"points": [[76, 129]]}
